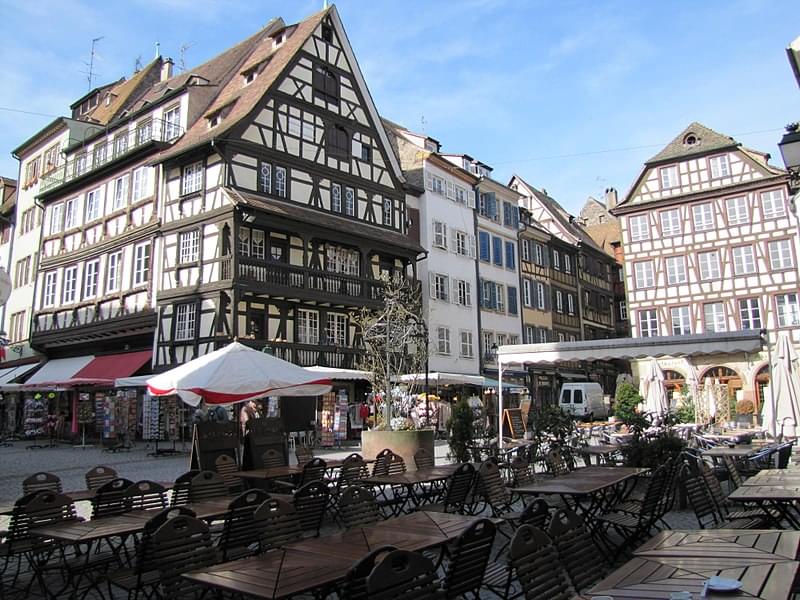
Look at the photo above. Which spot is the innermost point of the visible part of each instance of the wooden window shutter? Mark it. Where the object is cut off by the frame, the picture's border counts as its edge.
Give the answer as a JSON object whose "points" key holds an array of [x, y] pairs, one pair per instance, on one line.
{"points": [[471, 198], [432, 284]]}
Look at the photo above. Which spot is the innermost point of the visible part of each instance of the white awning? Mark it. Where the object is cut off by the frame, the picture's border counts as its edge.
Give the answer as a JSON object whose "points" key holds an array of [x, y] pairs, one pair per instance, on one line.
{"points": [[9, 374], [443, 379], [340, 374], [135, 381], [59, 369], [730, 342]]}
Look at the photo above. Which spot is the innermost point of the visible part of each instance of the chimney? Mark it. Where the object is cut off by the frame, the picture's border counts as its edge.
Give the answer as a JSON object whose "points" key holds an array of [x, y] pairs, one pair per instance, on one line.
{"points": [[166, 69], [611, 198]]}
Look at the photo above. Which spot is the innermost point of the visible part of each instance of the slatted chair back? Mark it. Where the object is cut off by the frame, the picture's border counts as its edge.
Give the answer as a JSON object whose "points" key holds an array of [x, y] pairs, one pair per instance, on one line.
{"points": [[539, 571], [784, 454], [37, 509], [404, 575], [493, 488], [576, 548], [654, 495], [358, 507], [424, 459], [388, 463], [241, 533], [734, 477], [109, 499], [537, 514], [145, 495], [713, 485], [99, 476], [144, 561], [272, 458], [354, 586], [703, 506], [313, 470], [41, 481], [311, 500], [226, 466], [556, 463], [521, 471], [469, 557], [206, 485], [180, 489], [353, 469], [279, 522], [180, 545], [303, 454], [458, 488]]}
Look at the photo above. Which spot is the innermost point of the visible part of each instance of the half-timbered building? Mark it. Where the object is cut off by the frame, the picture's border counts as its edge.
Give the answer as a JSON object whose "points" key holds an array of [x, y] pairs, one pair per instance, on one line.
{"points": [[282, 206], [446, 214], [711, 244]]}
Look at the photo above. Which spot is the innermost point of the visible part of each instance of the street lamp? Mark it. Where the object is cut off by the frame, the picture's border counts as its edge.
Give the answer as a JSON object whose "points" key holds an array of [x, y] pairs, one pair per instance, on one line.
{"points": [[790, 152]]}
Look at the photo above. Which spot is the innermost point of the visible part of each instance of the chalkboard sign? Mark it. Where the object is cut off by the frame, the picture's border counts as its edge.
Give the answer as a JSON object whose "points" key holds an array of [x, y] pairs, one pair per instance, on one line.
{"points": [[210, 441], [261, 435], [515, 425]]}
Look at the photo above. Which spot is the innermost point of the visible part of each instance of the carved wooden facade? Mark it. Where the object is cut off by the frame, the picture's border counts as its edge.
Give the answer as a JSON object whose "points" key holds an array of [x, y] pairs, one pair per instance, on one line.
{"points": [[277, 230]]}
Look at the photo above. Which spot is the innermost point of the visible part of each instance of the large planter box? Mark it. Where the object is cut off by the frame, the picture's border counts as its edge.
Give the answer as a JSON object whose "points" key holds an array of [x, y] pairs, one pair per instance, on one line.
{"points": [[404, 443]]}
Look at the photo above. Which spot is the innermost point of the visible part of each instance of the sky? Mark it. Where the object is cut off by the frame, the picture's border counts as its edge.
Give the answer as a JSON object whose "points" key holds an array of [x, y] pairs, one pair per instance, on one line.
{"points": [[572, 95]]}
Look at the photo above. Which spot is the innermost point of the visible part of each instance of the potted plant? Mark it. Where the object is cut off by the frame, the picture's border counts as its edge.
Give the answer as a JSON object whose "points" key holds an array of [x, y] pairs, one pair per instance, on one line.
{"points": [[744, 412]]}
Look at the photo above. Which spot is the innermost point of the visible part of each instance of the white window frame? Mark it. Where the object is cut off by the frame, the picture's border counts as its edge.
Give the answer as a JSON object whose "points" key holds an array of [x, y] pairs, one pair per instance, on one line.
{"points": [[709, 265], [559, 301], [336, 197], [185, 321], [773, 204], [669, 177], [19, 324], [623, 310], [91, 278], [189, 246], [570, 304], [349, 201], [70, 289], [336, 329], [139, 187], [639, 226], [780, 254], [467, 346], [280, 181], [114, 272], [120, 199], [714, 319], [141, 263], [737, 210], [463, 293], [49, 291], [527, 284], [648, 322], [440, 235], [703, 216], [538, 254], [94, 206], [567, 264], [540, 295], [71, 213], [676, 269], [440, 288], [192, 178], [556, 260], [388, 212], [744, 260], [670, 222], [750, 313], [307, 326], [172, 123], [787, 308], [719, 166], [56, 217], [644, 275], [525, 248], [443, 340], [681, 320]]}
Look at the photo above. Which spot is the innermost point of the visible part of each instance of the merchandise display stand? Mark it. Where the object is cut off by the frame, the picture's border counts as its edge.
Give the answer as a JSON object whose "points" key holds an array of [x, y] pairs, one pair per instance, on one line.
{"points": [[85, 415], [35, 420]]}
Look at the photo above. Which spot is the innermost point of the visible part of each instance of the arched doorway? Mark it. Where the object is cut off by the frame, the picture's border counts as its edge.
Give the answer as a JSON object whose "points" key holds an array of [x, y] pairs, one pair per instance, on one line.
{"points": [[725, 376], [762, 381]]}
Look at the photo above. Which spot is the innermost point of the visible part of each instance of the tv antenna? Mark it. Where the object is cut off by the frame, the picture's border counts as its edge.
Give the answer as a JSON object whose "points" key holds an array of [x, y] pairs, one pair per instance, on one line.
{"points": [[422, 122], [137, 65], [90, 74], [184, 48]]}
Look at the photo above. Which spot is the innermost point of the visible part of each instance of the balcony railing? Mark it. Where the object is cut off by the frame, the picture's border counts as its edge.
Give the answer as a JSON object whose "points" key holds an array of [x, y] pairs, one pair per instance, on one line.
{"points": [[307, 355], [289, 276], [104, 153]]}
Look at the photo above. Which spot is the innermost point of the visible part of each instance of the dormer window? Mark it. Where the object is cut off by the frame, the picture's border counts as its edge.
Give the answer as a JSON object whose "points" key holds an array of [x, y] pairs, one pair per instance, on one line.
{"points": [[249, 77], [691, 140], [214, 120], [279, 39], [325, 84]]}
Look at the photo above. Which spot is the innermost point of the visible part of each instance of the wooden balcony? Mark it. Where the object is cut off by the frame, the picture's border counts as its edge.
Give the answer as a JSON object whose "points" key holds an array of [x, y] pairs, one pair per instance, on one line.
{"points": [[284, 279], [307, 355]]}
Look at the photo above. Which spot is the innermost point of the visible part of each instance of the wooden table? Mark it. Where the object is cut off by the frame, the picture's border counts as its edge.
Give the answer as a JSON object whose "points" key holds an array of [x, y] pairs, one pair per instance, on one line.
{"points": [[320, 562], [725, 547], [283, 471], [782, 498], [599, 451], [774, 477], [410, 482], [743, 451], [655, 577]]}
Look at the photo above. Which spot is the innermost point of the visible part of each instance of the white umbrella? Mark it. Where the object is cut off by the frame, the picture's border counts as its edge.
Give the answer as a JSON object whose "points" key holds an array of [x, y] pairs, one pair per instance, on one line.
{"points": [[655, 396], [786, 383], [236, 373]]}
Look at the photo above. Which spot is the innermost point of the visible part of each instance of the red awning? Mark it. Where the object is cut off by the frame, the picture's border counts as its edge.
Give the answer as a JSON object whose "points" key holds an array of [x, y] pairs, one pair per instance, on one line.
{"points": [[105, 369]]}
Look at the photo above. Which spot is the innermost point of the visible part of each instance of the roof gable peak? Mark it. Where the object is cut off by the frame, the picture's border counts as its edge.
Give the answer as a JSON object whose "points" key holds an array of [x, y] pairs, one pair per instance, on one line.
{"points": [[694, 139]]}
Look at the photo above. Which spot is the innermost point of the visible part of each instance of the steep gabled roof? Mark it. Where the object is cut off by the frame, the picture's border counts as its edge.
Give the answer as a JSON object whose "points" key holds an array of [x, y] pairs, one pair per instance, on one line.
{"points": [[243, 99], [123, 93], [695, 139]]}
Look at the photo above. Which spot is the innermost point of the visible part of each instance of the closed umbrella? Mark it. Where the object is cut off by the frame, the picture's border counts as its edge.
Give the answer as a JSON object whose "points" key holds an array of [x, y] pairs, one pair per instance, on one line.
{"points": [[655, 396], [785, 386], [236, 373]]}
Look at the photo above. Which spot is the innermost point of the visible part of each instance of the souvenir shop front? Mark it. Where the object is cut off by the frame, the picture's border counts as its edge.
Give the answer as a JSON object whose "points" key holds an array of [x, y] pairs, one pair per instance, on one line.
{"points": [[11, 399], [345, 411], [75, 399]]}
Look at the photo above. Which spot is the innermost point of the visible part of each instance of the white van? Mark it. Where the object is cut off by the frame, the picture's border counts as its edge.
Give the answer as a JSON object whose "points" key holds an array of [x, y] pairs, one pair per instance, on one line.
{"points": [[584, 400]]}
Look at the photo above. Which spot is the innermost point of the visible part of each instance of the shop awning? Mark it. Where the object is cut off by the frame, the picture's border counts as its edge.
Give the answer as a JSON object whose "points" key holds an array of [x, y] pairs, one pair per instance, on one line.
{"points": [[439, 378], [9, 374], [340, 374], [135, 381], [730, 342], [508, 387], [57, 371], [109, 367]]}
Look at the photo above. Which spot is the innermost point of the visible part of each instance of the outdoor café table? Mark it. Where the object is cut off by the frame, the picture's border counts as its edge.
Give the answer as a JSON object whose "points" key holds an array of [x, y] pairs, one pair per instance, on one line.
{"points": [[450, 525], [656, 577], [283, 471], [411, 482], [773, 477], [601, 486], [601, 452], [782, 498], [742, 451], [724, 547]]}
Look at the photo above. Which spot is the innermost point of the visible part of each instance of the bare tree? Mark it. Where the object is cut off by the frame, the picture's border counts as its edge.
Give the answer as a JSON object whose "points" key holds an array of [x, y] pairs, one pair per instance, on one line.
{"points": [[395, 338]]}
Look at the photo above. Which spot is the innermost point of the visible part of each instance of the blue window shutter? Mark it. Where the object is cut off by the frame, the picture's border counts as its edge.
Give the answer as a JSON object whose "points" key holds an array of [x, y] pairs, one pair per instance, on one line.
{"points": [[506, 214], [497, 250], [491, 205], [493, 298], [515, 217], [484, 244], [512, 300], [510, 255]]}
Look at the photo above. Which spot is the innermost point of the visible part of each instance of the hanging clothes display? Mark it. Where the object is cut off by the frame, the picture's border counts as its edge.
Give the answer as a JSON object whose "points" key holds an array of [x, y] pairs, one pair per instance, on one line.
{"points": [[340, 417], [327, 419]]}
